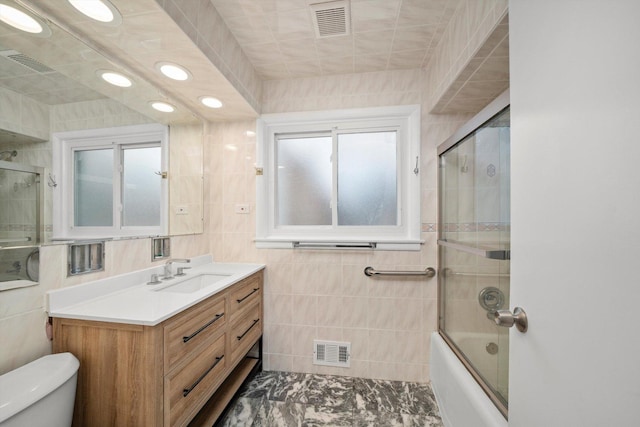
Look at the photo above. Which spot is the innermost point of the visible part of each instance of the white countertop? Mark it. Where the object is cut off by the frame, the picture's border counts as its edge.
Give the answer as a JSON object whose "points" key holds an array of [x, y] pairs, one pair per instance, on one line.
{"points": [[129, 299]]}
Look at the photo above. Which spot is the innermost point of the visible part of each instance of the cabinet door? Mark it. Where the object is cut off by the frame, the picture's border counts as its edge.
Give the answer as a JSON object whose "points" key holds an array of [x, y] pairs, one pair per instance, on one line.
{"points": [[184, 333], [186, 390], [245, 331], [244, 295]]}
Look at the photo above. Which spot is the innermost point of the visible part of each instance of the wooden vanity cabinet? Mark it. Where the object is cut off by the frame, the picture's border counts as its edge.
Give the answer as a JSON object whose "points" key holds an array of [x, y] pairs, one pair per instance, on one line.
{"points": [[165, 375]]}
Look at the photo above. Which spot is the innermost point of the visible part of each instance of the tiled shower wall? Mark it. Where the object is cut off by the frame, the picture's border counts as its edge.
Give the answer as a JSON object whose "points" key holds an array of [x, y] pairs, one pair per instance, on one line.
{"points": [[22, 115], [325, 294]]}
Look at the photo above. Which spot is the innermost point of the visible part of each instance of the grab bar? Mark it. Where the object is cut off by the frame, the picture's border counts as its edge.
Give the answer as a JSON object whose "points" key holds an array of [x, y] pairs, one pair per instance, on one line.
{"points": [[370, 271]]}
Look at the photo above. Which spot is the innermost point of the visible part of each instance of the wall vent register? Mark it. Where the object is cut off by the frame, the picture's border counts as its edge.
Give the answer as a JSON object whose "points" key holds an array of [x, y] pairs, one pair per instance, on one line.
{"points": [[331, 353]]}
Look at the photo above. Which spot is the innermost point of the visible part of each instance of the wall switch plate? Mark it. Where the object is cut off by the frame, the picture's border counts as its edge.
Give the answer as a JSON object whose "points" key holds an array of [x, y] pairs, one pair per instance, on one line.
{"points": [[182, 210], [242, 209]]}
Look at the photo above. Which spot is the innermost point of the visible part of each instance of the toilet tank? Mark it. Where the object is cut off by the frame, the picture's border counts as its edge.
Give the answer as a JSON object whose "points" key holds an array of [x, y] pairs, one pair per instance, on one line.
{"points": [[40, 393]]}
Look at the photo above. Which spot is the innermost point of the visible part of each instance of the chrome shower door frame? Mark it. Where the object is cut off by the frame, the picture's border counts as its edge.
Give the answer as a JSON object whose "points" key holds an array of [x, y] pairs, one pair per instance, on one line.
{"points": [[491, 110], [39, 214]]}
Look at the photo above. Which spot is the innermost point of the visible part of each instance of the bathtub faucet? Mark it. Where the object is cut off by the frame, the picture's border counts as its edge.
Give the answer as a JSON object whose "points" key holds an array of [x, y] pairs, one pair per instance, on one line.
{"points": [[168, 273]]}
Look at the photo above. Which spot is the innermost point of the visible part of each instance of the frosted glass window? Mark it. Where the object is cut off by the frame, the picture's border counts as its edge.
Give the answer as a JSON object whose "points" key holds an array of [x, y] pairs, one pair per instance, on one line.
{"points": [[93, 188], [113, 182], [303, 179], [141, 186], [367, 179], [339, 179]]}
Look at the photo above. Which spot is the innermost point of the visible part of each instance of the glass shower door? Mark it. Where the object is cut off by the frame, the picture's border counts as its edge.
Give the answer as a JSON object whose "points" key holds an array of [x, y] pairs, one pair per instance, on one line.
{"points": [[474, 251], [21, 207]]}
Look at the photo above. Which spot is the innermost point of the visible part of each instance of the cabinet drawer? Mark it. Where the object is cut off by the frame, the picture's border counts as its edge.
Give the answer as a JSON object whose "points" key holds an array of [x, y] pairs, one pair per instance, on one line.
{"points": [[187, 331], [244, 295], [188, 389], [245, 331]]}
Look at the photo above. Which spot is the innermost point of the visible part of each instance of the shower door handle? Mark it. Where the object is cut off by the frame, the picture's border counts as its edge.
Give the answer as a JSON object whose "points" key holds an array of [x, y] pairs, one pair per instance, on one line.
{"points": [[507, 319]]}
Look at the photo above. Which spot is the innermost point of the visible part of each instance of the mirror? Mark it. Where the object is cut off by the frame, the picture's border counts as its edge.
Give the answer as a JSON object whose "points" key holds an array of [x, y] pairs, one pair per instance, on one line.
{"points": [[49, 84]]}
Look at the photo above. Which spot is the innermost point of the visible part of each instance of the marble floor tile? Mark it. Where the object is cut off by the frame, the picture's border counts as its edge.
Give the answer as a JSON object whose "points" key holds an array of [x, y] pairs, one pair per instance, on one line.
{"points": [[378, 395], [328, 393], [314, 417], [261, 385], [243, 412], [418, 399], [290, 387], [279, 414], [421, 421], [283, 399], [377, 419]]}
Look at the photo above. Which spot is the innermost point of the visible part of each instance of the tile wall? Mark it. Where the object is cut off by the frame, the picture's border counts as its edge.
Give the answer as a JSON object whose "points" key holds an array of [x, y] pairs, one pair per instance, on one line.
{"points": [[324, 294], [24, 116], [185, 179], [475, 40], [21, 114]]}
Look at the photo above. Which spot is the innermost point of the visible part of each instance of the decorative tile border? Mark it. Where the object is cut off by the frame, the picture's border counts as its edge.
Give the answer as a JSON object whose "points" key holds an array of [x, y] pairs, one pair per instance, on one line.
{"points": [[430, 227], [17, 227]]}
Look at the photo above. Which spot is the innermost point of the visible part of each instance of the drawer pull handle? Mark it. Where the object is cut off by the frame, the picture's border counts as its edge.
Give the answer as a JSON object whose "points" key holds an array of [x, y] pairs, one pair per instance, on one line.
{"points": [[248, 295], [211, 322], [186, 391], [247, 331]]}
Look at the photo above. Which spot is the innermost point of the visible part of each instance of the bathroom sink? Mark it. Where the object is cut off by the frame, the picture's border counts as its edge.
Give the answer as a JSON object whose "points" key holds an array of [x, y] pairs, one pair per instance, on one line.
{"points": [[194, 284]]}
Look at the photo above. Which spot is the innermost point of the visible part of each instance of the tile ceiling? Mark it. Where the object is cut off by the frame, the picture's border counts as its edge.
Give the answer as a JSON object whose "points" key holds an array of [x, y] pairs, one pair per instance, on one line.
{"points": [[279, 39], [48, 87]]}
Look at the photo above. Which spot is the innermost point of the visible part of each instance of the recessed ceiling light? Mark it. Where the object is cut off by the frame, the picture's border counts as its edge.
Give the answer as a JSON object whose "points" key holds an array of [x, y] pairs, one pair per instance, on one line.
{"points": [[163, 106], [23, 20], [114, 78], [99, 10], [173, 71], [211, 102]]}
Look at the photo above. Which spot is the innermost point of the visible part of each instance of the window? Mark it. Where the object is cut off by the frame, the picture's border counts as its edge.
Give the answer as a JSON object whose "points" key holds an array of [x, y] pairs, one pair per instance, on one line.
{"points": [[339, 179], [111, 182]]}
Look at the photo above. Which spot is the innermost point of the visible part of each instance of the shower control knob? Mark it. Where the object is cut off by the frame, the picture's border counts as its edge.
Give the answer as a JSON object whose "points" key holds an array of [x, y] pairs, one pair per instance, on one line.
{"points": [[507, 319]]}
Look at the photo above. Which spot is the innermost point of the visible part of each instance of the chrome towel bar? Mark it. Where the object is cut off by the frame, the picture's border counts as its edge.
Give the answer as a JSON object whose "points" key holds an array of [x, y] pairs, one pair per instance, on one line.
{"points": [[429, 272], [328, 245]]}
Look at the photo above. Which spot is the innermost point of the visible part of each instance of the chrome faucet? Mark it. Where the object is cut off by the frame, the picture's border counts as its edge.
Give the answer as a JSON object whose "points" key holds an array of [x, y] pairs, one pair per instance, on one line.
{"points": [[168, 273]]}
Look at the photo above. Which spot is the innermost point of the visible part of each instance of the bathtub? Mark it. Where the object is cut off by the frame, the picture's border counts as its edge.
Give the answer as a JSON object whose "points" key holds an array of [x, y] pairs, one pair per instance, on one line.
{"points": [[461, 400]]}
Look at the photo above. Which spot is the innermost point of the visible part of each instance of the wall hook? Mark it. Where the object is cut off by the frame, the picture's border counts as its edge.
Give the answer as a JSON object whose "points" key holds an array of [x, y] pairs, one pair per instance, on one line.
{"points": [[416, 169], [52, 181]]}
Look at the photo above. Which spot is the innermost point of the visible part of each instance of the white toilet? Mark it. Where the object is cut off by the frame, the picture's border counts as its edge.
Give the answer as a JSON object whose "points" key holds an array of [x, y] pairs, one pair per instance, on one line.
{"points": [[40, 393]]}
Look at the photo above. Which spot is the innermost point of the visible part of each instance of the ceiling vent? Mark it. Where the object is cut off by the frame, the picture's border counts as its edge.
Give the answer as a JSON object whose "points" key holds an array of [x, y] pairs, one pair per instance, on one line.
{"points": [[26, 61], [331, 18]]}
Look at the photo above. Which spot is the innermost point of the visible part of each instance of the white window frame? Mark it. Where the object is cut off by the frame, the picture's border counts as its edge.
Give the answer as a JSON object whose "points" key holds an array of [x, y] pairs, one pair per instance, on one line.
{"points": [[404, 236], [64, 146]]}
